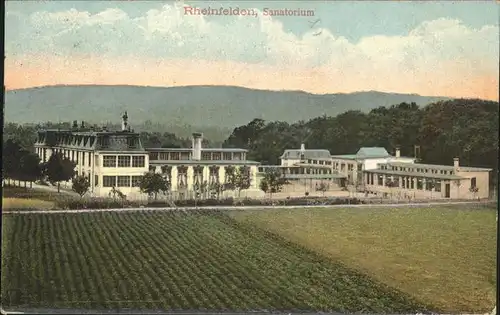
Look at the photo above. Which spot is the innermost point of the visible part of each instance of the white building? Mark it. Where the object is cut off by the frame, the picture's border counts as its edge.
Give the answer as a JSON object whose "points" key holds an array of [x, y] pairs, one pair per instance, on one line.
{"points": [[117, 159]]}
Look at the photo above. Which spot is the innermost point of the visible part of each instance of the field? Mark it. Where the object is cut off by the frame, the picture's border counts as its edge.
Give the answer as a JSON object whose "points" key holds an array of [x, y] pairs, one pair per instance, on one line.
{"points": [[176, 260], [444, 256], [21, 203], [21, 198]]}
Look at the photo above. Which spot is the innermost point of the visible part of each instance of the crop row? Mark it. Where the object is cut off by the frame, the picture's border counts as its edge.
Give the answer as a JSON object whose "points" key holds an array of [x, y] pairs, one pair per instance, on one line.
{"points": [[197, 260]]}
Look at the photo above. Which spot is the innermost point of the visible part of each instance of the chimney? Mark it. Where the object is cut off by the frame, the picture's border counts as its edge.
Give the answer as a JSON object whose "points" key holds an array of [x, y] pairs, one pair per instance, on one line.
{"points": [[456, 164], [398, 153], [124, 121], [302, 152], [82, 125], [197, 139], [75, 124]]}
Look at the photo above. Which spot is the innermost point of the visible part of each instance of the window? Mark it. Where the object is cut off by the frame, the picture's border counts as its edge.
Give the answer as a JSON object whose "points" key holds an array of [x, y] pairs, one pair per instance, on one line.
{"points": [[83, 158], [437, 185], [380, 180], [473, 182], [163, 156], [153, 156], [109, 161], [109, 181], [227, 156], [138, 161], [124, 161], [175, 155], [206, 156], [419, 184], [96, 180], [217, 156], [90, 161], [136, 180], [123, 181]]}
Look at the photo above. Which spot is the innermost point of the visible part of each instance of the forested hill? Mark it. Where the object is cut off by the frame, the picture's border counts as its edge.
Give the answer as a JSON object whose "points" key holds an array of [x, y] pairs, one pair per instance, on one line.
{"points": [[466, 128], [201, 106]]}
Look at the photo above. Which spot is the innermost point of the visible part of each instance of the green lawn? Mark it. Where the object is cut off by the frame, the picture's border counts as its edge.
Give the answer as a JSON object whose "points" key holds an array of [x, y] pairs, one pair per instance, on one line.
{"points": [[444, 256], [201, 260], [35, 194]]}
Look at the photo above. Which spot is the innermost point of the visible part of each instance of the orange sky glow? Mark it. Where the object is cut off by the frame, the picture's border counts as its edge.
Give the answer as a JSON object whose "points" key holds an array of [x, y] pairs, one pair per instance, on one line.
{"points": [[42, 70]]}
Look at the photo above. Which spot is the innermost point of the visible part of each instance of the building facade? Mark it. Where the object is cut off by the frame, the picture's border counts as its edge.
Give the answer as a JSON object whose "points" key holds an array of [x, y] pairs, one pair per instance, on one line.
{"points": [[372, 171], [117, 160], [307, 171], [367, 158], [422, 181]]}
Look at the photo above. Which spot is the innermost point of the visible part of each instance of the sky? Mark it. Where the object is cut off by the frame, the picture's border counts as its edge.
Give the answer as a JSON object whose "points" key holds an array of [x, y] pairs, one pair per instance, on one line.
{"points": [[428, 48]]}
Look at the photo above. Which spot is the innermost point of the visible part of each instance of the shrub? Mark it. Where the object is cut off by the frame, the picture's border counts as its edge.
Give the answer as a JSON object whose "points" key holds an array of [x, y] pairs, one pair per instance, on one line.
{"points": [[96, 203]]}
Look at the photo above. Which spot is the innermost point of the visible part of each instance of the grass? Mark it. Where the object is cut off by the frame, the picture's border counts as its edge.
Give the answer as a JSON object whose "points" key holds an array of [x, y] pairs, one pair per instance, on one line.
{"points": [[21, 203], [194, 260], [444, 256], [34, 193]]}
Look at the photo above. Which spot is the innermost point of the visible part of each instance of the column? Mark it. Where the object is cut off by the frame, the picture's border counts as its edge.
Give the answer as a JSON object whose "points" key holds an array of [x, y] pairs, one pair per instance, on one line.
{"points": [[415, 183], [190, 177], [383, 180], [400, 181], [222, 174], [253, 177], [173, 181], [206, 173]]}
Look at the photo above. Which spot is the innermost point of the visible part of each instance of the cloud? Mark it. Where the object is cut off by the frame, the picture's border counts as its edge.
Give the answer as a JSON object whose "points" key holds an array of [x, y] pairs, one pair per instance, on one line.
{"points": [[443, 50]]}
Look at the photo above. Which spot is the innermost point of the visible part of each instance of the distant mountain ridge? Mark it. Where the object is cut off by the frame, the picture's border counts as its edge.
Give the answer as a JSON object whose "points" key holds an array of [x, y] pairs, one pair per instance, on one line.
{"points": [[210, 106]]}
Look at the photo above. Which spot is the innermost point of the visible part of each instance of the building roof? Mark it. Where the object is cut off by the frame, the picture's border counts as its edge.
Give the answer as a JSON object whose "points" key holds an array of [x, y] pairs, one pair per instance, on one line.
{"points": [[203, 162], [308, 154], [414, 174], [372, 152], [365, 153], [439, 167]]}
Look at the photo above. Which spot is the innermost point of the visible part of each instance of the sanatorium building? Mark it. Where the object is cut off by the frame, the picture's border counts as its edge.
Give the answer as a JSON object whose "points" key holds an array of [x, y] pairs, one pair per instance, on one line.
{"points": [[117, 159]]}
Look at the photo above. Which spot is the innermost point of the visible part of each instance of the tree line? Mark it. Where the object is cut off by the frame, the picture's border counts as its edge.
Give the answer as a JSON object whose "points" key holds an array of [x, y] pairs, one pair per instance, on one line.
{"points": [[464, 128], [23, 165]]}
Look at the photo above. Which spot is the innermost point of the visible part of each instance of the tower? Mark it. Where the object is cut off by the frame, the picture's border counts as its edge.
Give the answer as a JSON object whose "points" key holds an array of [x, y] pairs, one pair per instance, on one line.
{"points": [[124, 121]]}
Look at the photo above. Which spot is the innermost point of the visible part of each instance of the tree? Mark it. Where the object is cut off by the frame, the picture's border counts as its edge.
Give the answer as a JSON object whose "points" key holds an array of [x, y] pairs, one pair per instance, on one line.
{"points": [[264, 185], [272, 181], [323, 187], [242, 179], [81, 185], [114, 193], [11, 156], [30, 167], [59, 168], [215, 190], [474, 191], [154, 183]]}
